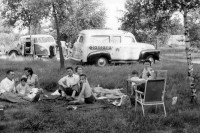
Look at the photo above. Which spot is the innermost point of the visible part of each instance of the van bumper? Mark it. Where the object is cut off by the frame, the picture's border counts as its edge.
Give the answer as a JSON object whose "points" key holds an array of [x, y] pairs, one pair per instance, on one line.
{"points": [[75, 60]]}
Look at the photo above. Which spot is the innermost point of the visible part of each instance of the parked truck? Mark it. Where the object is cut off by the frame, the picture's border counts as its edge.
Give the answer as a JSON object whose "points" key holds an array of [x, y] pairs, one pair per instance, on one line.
{"points": [[102, 47], [34, 45]]}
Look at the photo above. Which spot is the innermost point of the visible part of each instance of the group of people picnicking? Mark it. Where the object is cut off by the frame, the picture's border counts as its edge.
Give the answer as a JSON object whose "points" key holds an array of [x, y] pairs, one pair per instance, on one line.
{"points": [[28, 88], [74, 86]]}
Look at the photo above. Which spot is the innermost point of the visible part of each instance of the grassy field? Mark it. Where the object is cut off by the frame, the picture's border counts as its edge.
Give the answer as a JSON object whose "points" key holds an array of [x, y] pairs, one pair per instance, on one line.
{"points": [[53, 116]]}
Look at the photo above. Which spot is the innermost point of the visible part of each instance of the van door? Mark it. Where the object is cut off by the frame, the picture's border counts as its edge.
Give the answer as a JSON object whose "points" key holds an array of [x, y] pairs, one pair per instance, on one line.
{"points": [[116, 42], [27, 47]]}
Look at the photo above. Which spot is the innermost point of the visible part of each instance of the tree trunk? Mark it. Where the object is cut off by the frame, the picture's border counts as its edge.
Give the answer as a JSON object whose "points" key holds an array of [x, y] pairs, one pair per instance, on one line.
{"points": [[62, 65], [189, 58]]}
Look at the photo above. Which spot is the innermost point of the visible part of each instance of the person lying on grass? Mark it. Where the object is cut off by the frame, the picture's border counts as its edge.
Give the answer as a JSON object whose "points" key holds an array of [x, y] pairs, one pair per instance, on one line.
{"points": [[25, 92], [86, 95]]}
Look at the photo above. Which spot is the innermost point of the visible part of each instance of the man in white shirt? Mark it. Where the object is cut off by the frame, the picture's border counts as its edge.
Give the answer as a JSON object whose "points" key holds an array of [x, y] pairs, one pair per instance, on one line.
{"points": [[68, 85], [7, 88], [8, 83]]}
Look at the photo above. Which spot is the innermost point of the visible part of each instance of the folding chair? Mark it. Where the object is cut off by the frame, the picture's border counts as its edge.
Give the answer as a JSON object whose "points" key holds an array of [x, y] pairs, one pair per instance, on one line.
{"points": [[153, 94]]}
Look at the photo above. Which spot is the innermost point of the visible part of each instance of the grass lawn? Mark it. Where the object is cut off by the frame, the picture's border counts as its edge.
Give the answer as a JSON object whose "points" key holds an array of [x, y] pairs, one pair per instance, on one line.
{"points": [[53, 116]]}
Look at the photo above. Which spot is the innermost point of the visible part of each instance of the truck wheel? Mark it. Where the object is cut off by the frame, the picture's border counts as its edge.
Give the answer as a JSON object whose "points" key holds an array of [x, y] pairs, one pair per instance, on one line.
{"points": [[101, 62], [13, 54], [150, 58]]}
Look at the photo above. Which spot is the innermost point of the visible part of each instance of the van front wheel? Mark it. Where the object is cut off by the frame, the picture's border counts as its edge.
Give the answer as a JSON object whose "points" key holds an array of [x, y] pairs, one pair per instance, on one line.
{"points": [[101, 62], [150, 58]]}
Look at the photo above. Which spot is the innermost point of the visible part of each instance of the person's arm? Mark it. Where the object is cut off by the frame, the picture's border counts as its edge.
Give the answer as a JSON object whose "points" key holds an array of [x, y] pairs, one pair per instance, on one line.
{"points": [[137, 80], [76, 80], [2, 86], [17, 89], [28, 90], [37, 84], [62, 82], [82, 91]]}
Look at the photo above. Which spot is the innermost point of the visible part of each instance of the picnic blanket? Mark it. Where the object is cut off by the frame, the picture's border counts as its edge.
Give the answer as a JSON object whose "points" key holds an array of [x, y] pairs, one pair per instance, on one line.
{"points": [[113, 96], [87, 107], [10, 97]]}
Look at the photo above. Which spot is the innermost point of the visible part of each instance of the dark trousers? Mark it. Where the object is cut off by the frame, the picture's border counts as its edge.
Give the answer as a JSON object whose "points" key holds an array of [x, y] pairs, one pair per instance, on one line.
{"points": [[141, 87], [69, 90]]}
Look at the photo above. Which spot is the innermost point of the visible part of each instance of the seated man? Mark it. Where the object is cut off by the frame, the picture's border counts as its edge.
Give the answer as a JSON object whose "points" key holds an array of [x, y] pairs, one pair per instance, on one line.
{"points": [[86, 95], [68, 85], [7, 88]]}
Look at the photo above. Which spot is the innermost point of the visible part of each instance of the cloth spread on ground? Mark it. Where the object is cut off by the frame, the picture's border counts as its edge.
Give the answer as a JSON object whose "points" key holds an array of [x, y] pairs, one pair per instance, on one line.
{"points": [[15, 98], [113, 96], [10, 97], [87, 107]]}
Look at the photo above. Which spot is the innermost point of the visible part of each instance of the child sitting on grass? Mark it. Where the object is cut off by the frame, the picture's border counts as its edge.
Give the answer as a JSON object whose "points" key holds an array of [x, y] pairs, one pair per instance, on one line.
{"points": [[86, 95], [25, 92]]}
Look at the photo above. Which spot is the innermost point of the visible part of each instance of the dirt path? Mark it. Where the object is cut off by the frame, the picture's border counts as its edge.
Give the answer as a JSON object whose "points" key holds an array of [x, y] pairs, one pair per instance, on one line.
{"points": [[195, 61]]}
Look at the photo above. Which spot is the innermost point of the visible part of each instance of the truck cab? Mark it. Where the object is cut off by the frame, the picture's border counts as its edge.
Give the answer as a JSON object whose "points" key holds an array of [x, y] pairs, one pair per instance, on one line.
{"points": [[102, 47]]}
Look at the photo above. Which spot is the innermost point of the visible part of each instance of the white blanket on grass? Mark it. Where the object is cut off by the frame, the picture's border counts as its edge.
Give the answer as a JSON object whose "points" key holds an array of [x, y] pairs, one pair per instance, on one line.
{"points": [[115, 96]]}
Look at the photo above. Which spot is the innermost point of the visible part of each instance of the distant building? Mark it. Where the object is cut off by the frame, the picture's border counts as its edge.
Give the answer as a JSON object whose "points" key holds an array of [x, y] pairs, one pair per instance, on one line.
{"points": [[176, 41]]}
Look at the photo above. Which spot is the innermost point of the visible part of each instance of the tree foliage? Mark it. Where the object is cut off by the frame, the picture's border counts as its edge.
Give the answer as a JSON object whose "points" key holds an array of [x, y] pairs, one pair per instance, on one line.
{"points": [[68, 17], [85, 14]]}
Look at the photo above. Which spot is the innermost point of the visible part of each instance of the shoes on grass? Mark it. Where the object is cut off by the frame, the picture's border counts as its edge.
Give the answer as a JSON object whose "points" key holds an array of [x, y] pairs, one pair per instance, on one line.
{"points": [[56, 93], [36, 98]]}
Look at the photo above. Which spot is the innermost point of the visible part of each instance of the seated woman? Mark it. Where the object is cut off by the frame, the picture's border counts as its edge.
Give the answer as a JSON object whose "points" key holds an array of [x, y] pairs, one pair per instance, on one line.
{"points": [[25, 92], [78, 70], [86, 95], [32, 80]]}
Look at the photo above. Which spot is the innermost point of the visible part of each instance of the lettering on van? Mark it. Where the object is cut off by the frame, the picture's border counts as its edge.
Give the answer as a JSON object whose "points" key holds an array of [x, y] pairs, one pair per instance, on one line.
{"points": [[100, 47]]}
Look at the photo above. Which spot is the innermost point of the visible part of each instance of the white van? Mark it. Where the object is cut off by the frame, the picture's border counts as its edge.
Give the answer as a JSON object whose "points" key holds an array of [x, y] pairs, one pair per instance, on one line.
{"points": [[101, 47]]}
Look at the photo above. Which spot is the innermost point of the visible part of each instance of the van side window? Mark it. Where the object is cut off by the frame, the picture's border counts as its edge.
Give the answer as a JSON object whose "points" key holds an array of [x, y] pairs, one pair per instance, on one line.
{"points": [[116, 39], [81, 39], [100, 39], [128, 39]]}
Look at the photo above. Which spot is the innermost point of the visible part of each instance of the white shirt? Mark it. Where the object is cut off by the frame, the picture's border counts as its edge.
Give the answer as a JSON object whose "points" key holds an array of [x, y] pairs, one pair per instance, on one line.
{"points": [[69, 81], [7, 85], [137, 80], [22, 89]]}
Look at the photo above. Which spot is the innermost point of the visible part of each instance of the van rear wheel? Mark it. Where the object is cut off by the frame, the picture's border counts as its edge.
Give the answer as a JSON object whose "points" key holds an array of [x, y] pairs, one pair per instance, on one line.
{"points": [[102, 61], [13, 54]]}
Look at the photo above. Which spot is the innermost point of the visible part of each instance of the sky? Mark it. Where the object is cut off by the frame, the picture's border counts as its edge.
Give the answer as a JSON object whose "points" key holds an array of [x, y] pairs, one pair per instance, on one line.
{"points": [[114, 10]]}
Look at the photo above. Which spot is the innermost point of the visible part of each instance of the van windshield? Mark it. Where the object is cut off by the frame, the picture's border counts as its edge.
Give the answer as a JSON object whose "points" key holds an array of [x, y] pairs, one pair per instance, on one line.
{"points": [[100, 39], [129, 39], [44, 39]]}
